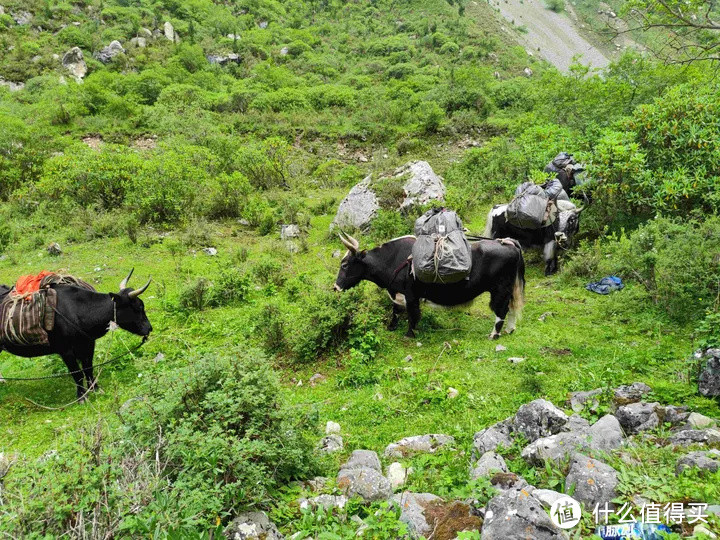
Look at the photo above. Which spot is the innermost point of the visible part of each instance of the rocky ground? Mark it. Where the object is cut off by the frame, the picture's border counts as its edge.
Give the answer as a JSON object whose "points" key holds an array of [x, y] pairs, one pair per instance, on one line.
{"points": [[548, 435]]}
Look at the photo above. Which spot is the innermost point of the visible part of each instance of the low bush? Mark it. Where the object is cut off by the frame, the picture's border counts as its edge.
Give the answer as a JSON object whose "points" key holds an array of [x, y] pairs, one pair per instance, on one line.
{"points": [[677, 263]]}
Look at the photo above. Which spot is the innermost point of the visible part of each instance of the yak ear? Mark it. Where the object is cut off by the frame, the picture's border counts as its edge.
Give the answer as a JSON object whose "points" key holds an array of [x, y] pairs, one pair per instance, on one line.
{"points": [[362, 254]]}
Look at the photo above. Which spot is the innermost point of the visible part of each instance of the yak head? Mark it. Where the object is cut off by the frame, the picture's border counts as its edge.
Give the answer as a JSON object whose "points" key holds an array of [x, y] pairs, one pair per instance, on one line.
{"points": [[568, 226], [353, 266], [130, 310]]}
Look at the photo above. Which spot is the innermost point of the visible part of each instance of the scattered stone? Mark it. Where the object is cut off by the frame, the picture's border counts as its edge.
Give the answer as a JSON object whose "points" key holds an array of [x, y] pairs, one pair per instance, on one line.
{"points": [[709, 380], [545, 315], [54, 249], [224, 60], [547, 497], [699, 421], [580, 400], [12, 86], [332, 428], [358, 208], [74, 62], [418, 443], [528, 72], [500, 348], [328, 502], [289, 231], [21, 18], [336, 254], [169, 31], [210, 251], [491, 438], [316, 379], [637, 417], [451, 518], [284, 51], [626, 394], [263, 24], [159, 357], [233, 36], [397, 474], [489, 462], [516, 515], [363, 458], [422, 187], [452, 393], [703, 531], [706, 461], [139, 42], [363, 481], [695, 436], [331, 444], [604, 435], [539, 418], [252, 526], [244, 222], [106, 54], [516, 359], [594, 481], [675, 415], [412, 511], [292, 247], [408, 358], [316, 484], [576, 423], [145, 33]]}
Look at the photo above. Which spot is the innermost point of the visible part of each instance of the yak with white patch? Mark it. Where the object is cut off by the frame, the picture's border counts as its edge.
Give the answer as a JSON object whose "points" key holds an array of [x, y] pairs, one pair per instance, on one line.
{"points": [[497, 267], [550, 239]]}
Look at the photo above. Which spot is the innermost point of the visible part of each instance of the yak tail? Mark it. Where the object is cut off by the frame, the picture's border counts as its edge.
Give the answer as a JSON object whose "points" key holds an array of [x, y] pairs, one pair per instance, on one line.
{"points": [[517, 301], [487, 233]]}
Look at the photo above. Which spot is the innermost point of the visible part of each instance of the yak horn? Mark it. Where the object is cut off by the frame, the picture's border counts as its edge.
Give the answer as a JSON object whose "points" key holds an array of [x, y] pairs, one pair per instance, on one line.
{"points": [[577, 212], [138, 292], [349, 242], [124, 282]]}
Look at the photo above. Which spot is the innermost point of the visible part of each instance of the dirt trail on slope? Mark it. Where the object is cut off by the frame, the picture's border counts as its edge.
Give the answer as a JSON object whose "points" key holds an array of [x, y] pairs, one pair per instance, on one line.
{"points": [[554, 34]]}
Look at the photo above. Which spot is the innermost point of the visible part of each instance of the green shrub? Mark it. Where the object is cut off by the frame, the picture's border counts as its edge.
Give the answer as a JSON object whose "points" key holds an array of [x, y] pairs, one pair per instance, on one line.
{"points": [[231, 287], [678, 264], [226, 195], [430, 117], [284, 99], [265, 164], [555, 5]]}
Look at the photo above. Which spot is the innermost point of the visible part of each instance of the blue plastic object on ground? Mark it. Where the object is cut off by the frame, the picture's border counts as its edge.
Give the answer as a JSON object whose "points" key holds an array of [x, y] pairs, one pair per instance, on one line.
{"points": [[632, 531], [606, 285]]}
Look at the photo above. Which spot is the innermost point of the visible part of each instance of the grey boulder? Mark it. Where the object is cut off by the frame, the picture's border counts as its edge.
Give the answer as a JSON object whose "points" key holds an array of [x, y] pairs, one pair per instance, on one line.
{"points": [[412, 511], [328, 502], [539, 418], [517, 515], [330, 444], [709, 380], [547, 497], [363, 458], [106, 54], [364, 482], [252, 526], [358, 208], [687, 437], [488, 462], [422, 185], [581, 400], [490, 438], [631, 393], [708, 461], [74, 62], [594, 481], [604, 435], [637, 417], [418, 444]]}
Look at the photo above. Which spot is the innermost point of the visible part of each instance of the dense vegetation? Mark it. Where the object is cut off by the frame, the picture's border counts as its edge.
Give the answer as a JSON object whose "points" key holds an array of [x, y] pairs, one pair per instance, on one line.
{"points": [[160, 153]]}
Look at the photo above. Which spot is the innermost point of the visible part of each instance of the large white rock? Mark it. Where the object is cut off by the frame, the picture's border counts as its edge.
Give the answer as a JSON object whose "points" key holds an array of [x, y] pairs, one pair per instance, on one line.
{"points": [[358, 208], [422, 185], [169, 31], [74, 62]]}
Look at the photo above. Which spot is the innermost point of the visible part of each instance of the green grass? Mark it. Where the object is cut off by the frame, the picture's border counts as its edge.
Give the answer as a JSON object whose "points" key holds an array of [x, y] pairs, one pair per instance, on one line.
{"points": [[590, 341]]}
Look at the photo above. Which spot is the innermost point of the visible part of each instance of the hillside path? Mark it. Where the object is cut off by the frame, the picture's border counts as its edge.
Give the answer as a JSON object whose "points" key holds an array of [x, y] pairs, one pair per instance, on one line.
{"points": [[554, 34]]}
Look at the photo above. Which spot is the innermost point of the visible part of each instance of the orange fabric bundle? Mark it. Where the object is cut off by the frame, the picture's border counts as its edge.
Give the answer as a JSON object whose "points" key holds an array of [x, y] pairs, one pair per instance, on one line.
{"points": [[27, 285]]}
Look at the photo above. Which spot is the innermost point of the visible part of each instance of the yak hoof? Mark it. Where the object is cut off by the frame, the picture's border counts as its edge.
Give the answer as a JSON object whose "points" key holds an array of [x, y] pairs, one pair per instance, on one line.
{"points": [[392, 326], [509, 331], [410, 334], [494, 335]]}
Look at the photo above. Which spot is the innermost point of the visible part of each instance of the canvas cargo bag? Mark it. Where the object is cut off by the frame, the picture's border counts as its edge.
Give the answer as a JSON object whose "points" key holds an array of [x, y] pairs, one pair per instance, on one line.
{"points": [[27, 320], [528, 208], [441, 253], [562, 160]]}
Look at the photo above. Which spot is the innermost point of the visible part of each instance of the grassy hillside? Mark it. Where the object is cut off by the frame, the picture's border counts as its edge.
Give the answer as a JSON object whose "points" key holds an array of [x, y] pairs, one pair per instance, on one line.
{"points": [[161, 153]]}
